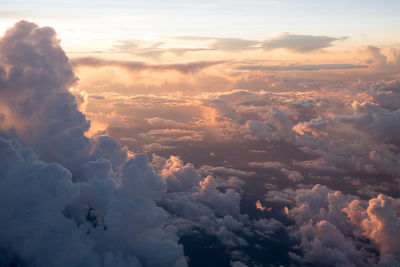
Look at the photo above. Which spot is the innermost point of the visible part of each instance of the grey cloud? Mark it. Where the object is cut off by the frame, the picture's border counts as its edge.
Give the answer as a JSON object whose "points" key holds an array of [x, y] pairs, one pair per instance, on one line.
{"points": [[89, 206], [34, 90], [138, 66], [100, 207], [310, 67], [380, 222], [321, 227], [267, 164], [293, 42], [233, 44], [276, 126], [122, 211], [330, 227], [300, 43]]}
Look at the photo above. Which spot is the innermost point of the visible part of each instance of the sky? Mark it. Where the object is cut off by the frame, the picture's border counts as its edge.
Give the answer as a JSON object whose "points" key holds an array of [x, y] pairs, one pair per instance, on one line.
{"points": [[199, 133], [93, 25]]}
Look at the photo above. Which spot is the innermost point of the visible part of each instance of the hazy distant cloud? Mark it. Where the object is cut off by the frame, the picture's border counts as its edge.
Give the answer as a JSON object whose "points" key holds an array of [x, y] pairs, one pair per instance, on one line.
{"points": [[138, 66], [308, 67], [227, 44], [149, 49], [293, 42], [233, 44], [299, 43], [382, 61]]}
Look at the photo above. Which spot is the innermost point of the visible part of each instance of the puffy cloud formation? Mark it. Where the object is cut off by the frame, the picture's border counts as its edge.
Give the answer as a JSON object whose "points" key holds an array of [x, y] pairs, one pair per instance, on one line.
{"points": [[70, 200], [297, 133], [91, 206], [38, 109], [200, 204], [382, 62], [381, 223], [109, 207], [334, 229]]}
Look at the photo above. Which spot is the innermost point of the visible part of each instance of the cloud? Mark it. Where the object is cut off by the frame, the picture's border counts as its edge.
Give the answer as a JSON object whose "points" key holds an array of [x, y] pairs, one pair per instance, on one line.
{"points": [[321, 229], [233, 44], [110, 206], [34, 92], [139, 66], [295, 176], [89, 201], [381, 61], [303, 67], [267, 164], [292, 42], [276, 126], [380, 223], [224, 44], [149, 49], [89, 205], [299, 43]]}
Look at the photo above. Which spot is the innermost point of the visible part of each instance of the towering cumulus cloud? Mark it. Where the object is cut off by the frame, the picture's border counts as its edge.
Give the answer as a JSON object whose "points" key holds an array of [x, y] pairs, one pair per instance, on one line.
{"points": [[38, 108], [70, 200], [66, 200]]}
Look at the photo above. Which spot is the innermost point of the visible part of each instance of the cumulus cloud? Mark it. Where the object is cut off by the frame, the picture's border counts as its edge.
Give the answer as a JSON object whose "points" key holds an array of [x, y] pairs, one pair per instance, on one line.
{"points": [[92, 206], [379, 222], [382, 61], [276, 126], [109, 206], [327, 237], [70, 200], [300, 43], [36, 76]]}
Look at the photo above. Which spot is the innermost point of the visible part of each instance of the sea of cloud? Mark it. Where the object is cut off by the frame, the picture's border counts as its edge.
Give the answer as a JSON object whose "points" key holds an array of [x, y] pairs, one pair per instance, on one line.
{"points": [[312, 173]]}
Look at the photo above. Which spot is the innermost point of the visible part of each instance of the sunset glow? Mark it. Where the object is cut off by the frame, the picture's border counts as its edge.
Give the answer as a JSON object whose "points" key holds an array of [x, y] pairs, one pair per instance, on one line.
{"points": [[199, 133]]}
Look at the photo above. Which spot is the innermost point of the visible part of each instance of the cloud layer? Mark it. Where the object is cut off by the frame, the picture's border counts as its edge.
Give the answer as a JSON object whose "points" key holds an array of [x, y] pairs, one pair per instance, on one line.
{"points": [[306, 172], [138, 66], [71, 200]]}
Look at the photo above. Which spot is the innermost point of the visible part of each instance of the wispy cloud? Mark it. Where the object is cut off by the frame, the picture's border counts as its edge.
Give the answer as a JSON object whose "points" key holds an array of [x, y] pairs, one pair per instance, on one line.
{"points": [[308, 67], [292, 42], [138, 65]]}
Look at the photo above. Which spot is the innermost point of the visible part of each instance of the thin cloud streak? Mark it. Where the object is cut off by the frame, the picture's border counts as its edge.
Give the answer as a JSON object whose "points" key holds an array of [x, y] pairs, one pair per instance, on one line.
{"points": [[309, 67], [191, 67], [292, 42]]}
